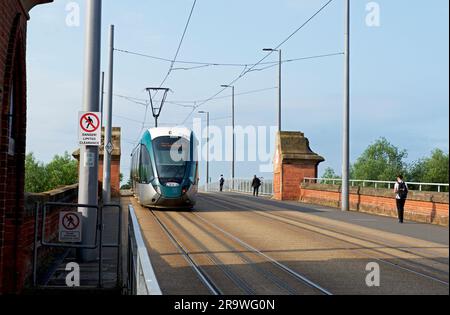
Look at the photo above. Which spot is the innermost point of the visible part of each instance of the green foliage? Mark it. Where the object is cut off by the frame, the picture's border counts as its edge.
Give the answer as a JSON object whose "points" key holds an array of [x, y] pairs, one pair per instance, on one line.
{"points": [[61, 171], [127, 186], [383, 161], [433, 169], [34, 175], [330, 173], [380, 161]]}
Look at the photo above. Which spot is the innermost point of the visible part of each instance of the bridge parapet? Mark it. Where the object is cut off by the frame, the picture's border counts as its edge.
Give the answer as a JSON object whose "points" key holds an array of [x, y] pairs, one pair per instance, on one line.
{"points": [[20, 264], [422, 206]]}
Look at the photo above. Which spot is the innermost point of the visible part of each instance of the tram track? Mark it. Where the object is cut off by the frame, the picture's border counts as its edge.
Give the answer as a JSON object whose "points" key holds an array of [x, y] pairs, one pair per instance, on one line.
{"points": [[261, 271], [371, 246]]}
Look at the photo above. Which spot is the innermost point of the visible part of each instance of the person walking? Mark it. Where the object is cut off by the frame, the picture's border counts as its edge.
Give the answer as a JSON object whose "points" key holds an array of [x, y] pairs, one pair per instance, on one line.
{"points": [[256, 183], [221, 182], [401, 194]]}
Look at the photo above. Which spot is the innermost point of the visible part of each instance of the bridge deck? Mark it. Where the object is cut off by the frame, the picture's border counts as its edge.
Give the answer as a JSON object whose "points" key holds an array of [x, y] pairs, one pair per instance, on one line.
{"points": [[245, 245]]}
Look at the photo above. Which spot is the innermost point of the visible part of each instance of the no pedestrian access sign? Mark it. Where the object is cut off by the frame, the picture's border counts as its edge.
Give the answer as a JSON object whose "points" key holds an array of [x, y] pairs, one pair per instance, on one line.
{"points": [[90, 131], [70, 227]]}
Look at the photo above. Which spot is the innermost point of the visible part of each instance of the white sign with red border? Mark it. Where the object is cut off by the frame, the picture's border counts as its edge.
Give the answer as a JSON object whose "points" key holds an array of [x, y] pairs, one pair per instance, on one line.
{"points": [[90, 128], [70, 227]]}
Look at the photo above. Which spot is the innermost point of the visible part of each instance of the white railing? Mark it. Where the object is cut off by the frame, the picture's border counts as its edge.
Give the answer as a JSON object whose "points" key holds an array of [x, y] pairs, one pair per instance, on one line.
{"points": [[242, 186], [380, 184], [141, 276]]}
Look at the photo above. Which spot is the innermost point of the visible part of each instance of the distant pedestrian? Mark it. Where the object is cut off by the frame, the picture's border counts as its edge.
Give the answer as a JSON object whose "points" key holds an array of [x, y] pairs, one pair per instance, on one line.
{"points": [[256, 183], [401, 194], [221, 182]]}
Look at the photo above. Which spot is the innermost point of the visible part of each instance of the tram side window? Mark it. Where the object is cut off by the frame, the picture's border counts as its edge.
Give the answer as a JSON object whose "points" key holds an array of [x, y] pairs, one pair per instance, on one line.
{"points": [[145, 166], [135, 165]]}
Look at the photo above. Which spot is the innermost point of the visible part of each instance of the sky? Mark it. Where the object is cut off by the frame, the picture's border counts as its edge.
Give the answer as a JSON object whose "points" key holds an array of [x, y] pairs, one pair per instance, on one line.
{"points": [[399, 72]]}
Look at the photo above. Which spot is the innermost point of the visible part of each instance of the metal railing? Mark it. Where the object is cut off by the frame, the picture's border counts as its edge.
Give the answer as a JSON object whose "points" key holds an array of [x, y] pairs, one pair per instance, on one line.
{"points": [[242, 186], [141, 276], [380, 184], [98, 243]]}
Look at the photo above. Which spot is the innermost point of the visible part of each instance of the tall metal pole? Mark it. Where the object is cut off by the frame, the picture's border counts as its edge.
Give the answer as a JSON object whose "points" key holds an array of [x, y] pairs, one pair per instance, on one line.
{"points": [[234, 143], [279, 91], [346, 123], [207, 145], [88, 174], [102, 94], [108, 127]]}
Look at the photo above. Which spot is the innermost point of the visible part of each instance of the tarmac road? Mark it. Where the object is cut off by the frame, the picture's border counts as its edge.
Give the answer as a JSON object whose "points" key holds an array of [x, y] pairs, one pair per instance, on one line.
{"points": [[240, 245]]}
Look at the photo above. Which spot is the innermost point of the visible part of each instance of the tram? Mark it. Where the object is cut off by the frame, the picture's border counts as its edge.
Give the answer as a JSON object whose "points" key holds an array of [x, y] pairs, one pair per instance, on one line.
{"points": [[164, 168]]}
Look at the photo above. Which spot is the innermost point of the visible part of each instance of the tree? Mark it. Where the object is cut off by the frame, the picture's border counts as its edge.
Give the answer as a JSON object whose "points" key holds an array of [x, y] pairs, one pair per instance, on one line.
{"points": [[433, 169], [329, 173], [380, 161], [61, 171], [35, 177]]}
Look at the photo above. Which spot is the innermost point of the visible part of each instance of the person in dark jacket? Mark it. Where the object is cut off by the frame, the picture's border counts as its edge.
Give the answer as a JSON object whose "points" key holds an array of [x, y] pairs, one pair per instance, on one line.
{"points": [[221, 182], [401, 194], [256, 183]]}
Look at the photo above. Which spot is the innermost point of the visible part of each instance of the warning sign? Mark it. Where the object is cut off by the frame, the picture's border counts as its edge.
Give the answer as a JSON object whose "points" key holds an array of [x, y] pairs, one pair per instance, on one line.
{"points": [[70, 227], [90, 131]]}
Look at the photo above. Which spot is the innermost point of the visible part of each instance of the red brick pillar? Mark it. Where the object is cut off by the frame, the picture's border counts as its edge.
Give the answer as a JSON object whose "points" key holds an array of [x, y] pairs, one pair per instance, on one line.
{"points": [[294, 160]]}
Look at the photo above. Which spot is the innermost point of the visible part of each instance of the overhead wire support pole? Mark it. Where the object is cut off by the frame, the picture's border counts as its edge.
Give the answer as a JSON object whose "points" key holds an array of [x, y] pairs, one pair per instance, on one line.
{"points": [[234, 141], [102, 94], [346, 122], [88, 171], [234, 133], [207, 145], [108, 146], [280, 66]]}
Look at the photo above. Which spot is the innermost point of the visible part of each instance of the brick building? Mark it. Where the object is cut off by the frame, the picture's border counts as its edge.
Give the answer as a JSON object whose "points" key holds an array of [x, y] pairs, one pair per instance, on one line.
{"points": [[14, 15]]}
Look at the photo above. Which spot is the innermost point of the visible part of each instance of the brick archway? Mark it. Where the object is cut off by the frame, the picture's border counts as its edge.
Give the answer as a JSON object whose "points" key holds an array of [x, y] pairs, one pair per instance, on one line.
{"points": [[12, 155]]}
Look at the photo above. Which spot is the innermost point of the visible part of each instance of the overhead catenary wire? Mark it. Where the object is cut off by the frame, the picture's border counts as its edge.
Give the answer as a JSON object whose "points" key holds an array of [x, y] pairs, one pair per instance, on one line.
{"points": [[189, 104], [172, 63], [262, 59], [200, 65], [144, 102], [180, 44]]}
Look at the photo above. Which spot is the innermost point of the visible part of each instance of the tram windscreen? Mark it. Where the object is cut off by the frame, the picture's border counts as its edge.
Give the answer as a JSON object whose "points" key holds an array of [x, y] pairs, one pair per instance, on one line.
{"points": [[172, 155]]}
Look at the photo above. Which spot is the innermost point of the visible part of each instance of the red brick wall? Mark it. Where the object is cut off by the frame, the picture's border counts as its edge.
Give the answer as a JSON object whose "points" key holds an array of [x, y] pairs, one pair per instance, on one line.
{"points": [[115, 176], [420, 206], [46, 256], [13, 226], [292, 176]]}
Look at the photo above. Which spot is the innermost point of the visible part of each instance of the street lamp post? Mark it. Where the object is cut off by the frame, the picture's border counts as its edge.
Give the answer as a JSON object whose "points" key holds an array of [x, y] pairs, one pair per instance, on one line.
{"points": [[280, 62], [88, 172], [207, 145], [345, 206], [234, 135]]}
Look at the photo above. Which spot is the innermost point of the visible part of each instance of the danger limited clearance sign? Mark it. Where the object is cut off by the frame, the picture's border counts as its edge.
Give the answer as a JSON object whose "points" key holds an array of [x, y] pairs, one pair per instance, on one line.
{"points": [[90, 128], [70, 227]]}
